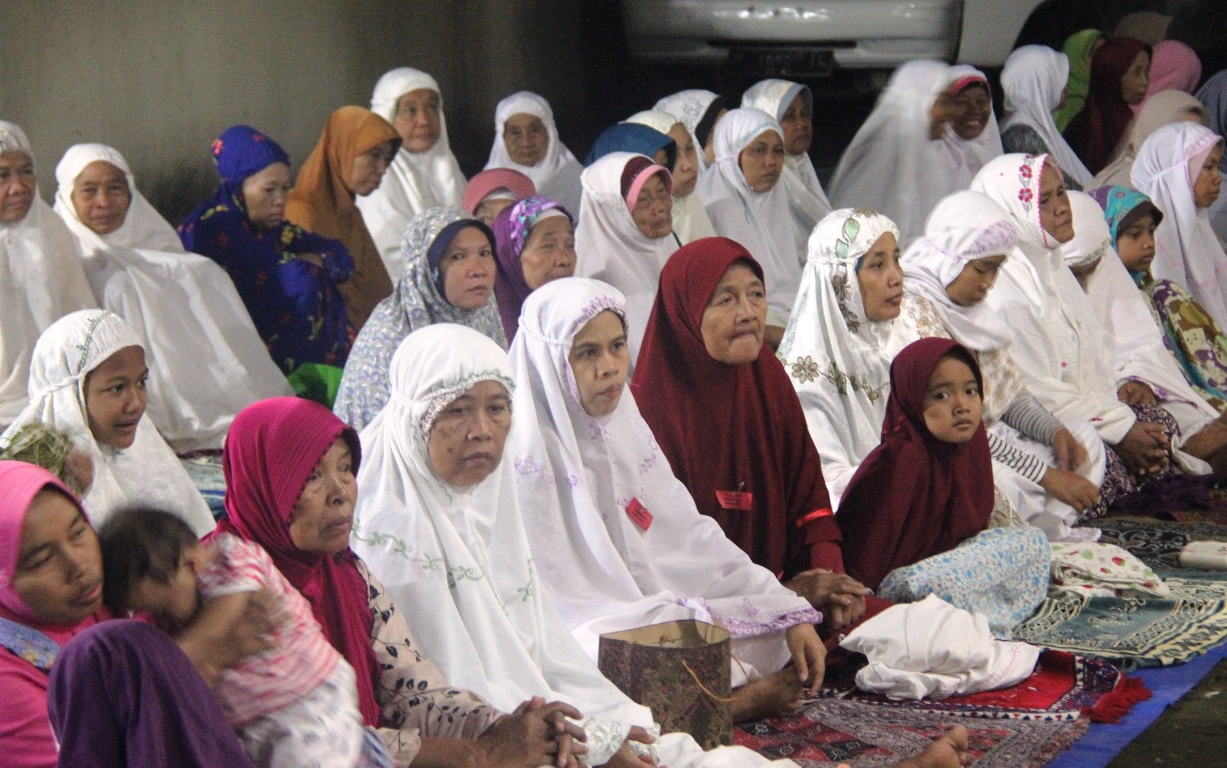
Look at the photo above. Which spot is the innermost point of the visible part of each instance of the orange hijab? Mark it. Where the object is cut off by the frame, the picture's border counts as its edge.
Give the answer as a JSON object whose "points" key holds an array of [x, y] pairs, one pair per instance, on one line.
{"points": [[323, 203]]}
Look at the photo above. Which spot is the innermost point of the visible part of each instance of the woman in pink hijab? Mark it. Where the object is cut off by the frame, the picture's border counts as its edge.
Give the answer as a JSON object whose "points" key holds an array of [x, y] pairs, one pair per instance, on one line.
{"points": [[1174, 66]]}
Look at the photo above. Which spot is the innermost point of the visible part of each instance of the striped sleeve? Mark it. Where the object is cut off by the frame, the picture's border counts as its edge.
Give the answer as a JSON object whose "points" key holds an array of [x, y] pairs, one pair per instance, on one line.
{"points": [[1026, 464], [1032, 419], [238, 566]]}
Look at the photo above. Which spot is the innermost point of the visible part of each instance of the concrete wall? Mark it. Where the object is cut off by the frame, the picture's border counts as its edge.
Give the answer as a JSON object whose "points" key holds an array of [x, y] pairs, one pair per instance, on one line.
{"points": [[160, 80]]}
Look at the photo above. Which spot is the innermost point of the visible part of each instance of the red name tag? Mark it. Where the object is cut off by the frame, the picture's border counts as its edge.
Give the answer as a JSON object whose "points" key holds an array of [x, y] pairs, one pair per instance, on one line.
{"points": [[639, 514], [735, 500]]}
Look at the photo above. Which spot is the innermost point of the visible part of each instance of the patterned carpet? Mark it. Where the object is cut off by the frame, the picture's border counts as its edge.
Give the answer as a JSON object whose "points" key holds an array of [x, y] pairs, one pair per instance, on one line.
{"points": [[205, 469]]}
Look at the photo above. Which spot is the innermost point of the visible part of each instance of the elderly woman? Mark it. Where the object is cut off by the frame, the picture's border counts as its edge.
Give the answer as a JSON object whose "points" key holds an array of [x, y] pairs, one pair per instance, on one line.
{"points": [[624, 545], [449, 277], [206, 360], [690, 220], [288, 277], [113, 692], [526, 140], [350, 160], [746, 203], [1120, 76], [438, 522], [424, 174], [290, 467], [536, 244], [704, 354], [489, 192], [88, 379], [699, 111], [626, 231], [41, 264]]}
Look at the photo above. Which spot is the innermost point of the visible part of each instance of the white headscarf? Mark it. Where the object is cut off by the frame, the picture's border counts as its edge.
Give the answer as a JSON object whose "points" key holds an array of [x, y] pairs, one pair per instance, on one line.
{"points": [[610, 247], [416, 180], [41, 280], [206, 360], [689, 107], [1160, 109], [893, 166], [760, 221], [841, 353], [1135, 340], [1060, 350], [147, 472], [1031, 82], [806, 199], [557, 175], [1187, 252], [457, 560], [690, 220], [576, 476], [964, 227], [968, 157]]}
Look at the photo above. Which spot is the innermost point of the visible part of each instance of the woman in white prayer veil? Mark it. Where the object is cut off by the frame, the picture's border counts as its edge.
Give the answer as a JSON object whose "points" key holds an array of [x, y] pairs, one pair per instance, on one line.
{"points": [[1173, 168], [206, 360], [699, 111], [972, 137], [897, 164], [103, 417], [611, 244], [747, 203], [526, 140], [615, 535], [424, 174], [792, 105], [41, 275], [690, 220], [1033, 83], [438, 522], [836, 345]]}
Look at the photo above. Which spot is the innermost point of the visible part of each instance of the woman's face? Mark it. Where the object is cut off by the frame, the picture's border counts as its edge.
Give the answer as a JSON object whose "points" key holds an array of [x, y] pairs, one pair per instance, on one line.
{"points": [[549, 253], [881, 279], [1136, 244], [488, 210], [468, 269], [952, 405], [265, 193], [600, 360], [709, 148], [417, 120], [973, 108], [1209, 182], [101, 197], [466, 442], [59, 563], [1056, 216], [369, 168], [526, 139], [653, 211], [762, 161], [115, 397], [974, 282], [1136, 80], [324, 513], [686, 169], [17, 184], [736, 316], [798, 126]]}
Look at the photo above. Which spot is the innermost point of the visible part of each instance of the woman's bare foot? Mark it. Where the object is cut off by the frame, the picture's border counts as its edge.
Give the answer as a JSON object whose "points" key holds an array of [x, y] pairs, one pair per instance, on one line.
{"points": [[777, 695], [947, 751]]}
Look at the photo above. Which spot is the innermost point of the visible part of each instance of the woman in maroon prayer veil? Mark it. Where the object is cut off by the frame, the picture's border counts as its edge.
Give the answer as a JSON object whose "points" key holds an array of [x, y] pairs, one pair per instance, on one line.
{"points": [[725, 414], [1120, 74]]}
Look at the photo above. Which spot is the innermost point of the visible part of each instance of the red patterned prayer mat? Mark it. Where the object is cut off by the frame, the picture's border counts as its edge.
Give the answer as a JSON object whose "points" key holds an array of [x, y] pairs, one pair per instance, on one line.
{"points": [[827, 732], [1063, 687]]}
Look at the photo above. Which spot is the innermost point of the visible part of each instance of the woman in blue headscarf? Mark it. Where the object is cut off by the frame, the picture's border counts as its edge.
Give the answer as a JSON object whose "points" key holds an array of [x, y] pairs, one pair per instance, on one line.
{"points": [[287, 276]]}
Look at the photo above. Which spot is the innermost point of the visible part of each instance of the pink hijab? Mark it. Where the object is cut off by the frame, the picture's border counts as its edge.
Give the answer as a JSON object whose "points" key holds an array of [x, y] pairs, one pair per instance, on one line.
{"points": [[1173, 67]]}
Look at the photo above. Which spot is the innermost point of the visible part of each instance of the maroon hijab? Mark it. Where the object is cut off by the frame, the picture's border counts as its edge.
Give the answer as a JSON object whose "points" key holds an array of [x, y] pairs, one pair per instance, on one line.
{"points": [[270, 452], [1095, 132], [915, 496], [730, 430]]}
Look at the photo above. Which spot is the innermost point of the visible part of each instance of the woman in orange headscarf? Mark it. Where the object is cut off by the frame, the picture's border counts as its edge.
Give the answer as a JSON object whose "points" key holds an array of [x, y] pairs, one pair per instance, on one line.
{"points": [[349, 160]]}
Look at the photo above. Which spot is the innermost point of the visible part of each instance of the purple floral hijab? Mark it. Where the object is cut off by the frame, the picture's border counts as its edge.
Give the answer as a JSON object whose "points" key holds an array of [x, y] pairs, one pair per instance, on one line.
{"points": [[511, 230]]}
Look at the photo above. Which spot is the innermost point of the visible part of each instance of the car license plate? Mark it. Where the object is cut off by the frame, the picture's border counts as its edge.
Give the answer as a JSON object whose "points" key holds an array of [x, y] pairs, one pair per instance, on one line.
{"points": [[783, 61]]}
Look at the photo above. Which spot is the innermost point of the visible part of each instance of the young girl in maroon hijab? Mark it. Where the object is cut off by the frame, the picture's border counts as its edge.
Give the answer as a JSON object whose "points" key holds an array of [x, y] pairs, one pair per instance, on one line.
{"points": [[929, 485], [1120, 75], [725, 414]]}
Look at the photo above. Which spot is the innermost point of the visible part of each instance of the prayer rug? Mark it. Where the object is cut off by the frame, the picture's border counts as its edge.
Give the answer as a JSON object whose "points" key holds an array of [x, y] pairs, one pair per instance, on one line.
{"points": [[827, 732], [1063, 687], [1158, 544], [1151, 632], [205, 470]]}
